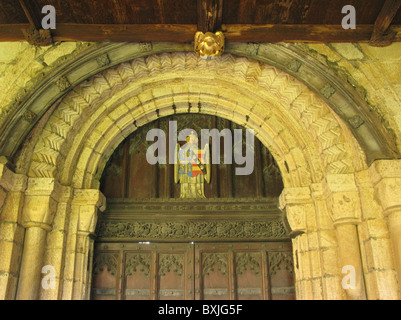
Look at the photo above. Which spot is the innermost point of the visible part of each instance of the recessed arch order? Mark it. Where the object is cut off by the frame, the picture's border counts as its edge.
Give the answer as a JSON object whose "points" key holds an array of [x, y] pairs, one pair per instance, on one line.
{"points": [[320, 132], [305, 136]]}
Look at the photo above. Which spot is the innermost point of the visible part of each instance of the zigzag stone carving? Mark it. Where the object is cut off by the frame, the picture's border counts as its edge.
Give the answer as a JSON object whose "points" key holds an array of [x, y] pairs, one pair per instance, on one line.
{"points": [[309, 110]]}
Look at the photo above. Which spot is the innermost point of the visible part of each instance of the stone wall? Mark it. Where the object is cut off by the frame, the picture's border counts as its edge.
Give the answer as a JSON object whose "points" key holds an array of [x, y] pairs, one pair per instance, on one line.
{"points": [[374, 72], [22, 66]]}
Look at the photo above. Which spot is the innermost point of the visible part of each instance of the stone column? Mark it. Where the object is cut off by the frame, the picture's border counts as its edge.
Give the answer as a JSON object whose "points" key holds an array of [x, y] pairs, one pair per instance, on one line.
{"points": [[386, 177], [56, 245], [86, 204], [6, 180], [345, 211], [377, 254], [12, 188], [327, 245], [38, 212], [296, 204]]}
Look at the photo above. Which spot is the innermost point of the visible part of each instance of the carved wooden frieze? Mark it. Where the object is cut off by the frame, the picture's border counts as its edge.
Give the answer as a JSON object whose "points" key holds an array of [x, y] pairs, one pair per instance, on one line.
{"points": [[192, 230]]}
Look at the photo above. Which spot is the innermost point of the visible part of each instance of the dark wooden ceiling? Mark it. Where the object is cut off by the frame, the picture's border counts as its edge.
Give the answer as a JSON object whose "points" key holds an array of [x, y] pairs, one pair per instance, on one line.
{"points": [[178, 20]]}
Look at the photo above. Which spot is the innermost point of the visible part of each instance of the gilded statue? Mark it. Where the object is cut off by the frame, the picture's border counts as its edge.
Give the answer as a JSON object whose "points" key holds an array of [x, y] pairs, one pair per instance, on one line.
{"points": [[192, 168]]}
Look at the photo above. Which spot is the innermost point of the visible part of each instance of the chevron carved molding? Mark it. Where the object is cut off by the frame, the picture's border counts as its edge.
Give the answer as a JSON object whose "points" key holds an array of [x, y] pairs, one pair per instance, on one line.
{"points": [[277, 90]]}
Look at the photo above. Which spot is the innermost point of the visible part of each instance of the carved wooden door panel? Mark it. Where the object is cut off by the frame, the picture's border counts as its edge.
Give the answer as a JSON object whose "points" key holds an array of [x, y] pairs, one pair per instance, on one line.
{"points": [[243, 271], [143, 271], [177, 271]]}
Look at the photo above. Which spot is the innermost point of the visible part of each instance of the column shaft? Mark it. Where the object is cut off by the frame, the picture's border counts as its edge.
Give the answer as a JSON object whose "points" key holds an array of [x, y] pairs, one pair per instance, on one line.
{"points": [[348, 244], [394, 224], [81, 261], [32, 263]]}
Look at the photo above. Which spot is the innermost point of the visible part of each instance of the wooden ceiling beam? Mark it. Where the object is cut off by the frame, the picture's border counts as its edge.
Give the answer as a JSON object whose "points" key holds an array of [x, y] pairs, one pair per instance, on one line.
{"points": [[34, 33], [299, 33], [210, 13], [32, 13], [185, 33], [382, 34]]}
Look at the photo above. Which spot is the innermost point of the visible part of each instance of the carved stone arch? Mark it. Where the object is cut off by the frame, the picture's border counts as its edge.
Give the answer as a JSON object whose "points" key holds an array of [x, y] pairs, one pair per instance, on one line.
{"points": [[282, 111], [315, 148], [375, 141]]}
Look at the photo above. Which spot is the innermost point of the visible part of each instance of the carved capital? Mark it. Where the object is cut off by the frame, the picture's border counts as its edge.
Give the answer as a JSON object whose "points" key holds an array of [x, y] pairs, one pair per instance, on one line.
{"points": [[344, 208], [382, 169], [386, 178], [388, 194], [296, 217], [6, 177], [10, 181], [294, 196], [296, 203], [40, 202], [92, 197], [343, 199], [88, 216], [39, 212], [41, 187], [88, 202]]}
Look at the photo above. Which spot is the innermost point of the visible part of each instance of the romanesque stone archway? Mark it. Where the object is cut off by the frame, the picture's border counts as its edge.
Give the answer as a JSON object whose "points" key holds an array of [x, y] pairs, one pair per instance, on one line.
{"points": [[57, 80], [306, 138], [322, 164], [267, 100]]}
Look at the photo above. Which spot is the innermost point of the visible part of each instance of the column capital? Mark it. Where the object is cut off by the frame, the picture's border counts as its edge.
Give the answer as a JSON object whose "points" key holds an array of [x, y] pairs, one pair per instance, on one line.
{"points": [[9, 180], [40, 202], [296, 203], [386, 179], [343, 199], [88, 202], [42, 187], [382, 169], [344, 208], [92, 197], [295, 196]]}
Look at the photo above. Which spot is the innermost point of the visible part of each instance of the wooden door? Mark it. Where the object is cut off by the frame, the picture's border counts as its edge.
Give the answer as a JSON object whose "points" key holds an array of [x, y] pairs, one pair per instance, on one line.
{"points": [[243, 271], [143, 271], [202, 271]]}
